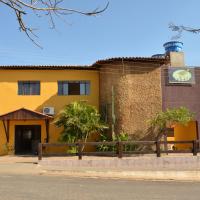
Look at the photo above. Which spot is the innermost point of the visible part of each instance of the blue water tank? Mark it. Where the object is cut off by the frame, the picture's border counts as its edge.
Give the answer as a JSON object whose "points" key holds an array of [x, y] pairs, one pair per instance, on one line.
{"points": [[173, 46], [158, 56]]}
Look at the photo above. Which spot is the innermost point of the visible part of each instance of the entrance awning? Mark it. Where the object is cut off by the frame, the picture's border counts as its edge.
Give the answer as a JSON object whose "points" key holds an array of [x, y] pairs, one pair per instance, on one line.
{"points": [[24, 114]]}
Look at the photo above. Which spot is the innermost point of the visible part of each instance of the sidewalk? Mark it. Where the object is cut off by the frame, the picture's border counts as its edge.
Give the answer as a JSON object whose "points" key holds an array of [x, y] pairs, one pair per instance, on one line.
{"points": [[18, 159]]}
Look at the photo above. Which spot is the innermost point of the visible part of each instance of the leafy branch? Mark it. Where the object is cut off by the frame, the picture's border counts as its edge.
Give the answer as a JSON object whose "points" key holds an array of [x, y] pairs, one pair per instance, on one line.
{"points": [[169, 118]]}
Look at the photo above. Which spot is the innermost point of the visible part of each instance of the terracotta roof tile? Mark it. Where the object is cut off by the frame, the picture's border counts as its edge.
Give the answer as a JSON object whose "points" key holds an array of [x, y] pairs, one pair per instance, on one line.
{"points": [[45, 67], [24, 113], [94, 66], [133, 59]]}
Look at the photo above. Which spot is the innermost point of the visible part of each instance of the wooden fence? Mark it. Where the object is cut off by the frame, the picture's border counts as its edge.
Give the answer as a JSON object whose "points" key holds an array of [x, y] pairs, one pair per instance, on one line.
{"points": [[119, 148]]}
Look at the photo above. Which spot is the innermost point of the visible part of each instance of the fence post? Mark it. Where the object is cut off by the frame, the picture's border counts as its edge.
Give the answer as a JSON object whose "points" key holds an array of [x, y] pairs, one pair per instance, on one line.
{"points": [[158, 148], [119, 149], [79, 150], [165, 142], [40, 151], [194, 148]]}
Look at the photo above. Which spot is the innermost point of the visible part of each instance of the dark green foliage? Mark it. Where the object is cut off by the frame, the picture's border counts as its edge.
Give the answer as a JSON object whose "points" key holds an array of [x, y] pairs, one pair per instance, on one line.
{"points": [[79, 120], [180, 115], [121, 137]]}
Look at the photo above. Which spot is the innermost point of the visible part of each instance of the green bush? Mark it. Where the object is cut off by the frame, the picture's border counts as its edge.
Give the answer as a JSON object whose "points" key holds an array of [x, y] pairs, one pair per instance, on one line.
{"points": [[180, 115], [121, 137], [168, 118], [79, 120]]}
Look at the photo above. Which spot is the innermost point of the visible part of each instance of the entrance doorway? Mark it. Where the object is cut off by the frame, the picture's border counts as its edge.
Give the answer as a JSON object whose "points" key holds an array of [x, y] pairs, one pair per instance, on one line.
{"points": [[27, 138]]}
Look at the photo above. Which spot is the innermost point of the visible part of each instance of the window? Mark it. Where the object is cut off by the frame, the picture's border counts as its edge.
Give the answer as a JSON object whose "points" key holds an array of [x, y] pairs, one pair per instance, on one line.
{"points": [[28, 88], [73, 87], [169, 132]]}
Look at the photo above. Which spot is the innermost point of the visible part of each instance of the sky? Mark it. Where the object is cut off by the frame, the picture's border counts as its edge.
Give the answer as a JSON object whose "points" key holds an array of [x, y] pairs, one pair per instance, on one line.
{"points": [[128, 28]]}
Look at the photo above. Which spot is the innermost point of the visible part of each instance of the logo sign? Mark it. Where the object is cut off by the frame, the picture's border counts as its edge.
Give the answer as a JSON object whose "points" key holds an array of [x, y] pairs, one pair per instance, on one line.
{"points": [[181, 75]]}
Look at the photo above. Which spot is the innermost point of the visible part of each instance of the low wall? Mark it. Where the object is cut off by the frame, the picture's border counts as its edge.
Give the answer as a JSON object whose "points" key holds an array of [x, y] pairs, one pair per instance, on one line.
{"points": [[177, 163]]}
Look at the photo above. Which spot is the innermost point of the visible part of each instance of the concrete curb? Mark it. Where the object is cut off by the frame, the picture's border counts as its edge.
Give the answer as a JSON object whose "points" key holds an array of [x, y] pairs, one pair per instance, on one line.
{"points": [[136, 175]]}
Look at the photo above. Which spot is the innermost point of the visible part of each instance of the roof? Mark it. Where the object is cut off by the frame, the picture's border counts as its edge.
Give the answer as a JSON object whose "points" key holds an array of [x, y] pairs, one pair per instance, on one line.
{"points": [[46, 67], [24, 114], [94, 66], [133, 59]]}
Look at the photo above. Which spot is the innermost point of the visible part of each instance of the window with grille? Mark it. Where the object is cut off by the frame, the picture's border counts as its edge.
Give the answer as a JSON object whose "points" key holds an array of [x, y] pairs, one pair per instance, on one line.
{"points": [[28, 87], [73, 88]]}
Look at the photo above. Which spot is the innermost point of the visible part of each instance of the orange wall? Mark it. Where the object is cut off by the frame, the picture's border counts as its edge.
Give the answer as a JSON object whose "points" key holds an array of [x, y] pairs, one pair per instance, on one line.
{"points": [[184, 132]]}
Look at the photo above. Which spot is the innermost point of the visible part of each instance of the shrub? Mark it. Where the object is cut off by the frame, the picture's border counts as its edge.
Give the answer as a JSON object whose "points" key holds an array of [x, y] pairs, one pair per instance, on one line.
{"points": [[170, 117], [123, 136], [79, 120]]}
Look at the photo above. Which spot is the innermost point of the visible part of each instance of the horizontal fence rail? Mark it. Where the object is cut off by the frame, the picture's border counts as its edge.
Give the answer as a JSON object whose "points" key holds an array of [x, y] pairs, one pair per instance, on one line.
{"points": [[119, 148]]}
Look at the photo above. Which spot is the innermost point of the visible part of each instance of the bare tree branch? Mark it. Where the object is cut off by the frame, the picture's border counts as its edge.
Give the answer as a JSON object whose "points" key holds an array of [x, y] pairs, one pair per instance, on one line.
{"points": [[49, 8], [9, 5], [179, 29]]}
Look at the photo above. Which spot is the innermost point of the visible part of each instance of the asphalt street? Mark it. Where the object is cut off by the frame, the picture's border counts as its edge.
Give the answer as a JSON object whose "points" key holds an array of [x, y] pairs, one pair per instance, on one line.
{"points": [[36, 187]]}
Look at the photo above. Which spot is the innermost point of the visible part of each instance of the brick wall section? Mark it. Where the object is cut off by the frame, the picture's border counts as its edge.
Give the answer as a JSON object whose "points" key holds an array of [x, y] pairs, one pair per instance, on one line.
{"points": [[137, 94]]}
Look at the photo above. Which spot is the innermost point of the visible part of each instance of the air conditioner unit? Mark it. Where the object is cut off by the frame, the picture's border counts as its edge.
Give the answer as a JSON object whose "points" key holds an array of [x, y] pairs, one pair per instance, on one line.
{"points": [[48, 111]]}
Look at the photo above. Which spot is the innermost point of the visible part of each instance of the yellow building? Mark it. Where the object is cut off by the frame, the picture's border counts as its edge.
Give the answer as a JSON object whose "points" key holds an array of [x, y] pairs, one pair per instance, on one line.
{"points": [[32, 95]]}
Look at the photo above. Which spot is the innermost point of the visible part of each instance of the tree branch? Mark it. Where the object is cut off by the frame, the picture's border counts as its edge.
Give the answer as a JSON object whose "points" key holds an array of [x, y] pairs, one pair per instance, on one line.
{"points": [[54, 7], [180, 28], [11, 6], [50, 8]]}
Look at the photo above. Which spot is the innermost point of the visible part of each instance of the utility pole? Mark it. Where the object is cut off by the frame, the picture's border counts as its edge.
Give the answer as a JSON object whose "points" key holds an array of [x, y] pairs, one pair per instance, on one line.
{"points": [[113, 112]]}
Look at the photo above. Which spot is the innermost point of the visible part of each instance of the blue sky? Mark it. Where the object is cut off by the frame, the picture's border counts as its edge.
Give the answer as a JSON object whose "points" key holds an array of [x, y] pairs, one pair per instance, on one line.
{"points": [[127, 28]]}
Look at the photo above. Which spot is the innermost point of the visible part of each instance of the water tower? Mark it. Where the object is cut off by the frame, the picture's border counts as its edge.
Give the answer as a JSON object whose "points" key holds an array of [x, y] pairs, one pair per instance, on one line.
{"points": [[173, 46]]}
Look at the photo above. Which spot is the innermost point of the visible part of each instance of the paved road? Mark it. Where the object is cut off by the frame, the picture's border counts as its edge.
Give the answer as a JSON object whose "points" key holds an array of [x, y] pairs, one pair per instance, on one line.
{"points": [[35, 187]]}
